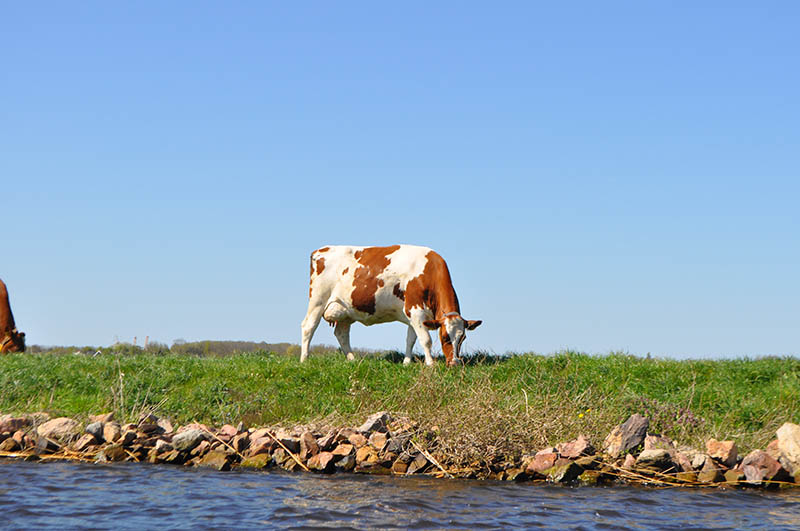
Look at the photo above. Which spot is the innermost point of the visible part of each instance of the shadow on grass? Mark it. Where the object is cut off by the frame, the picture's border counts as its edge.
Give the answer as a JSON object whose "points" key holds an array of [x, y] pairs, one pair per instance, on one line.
{"points": [[471, 359]]}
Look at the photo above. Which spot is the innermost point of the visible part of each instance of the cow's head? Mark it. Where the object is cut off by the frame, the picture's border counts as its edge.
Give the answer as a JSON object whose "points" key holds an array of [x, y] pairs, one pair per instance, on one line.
{"points": [[452, 333], [14, 341]]}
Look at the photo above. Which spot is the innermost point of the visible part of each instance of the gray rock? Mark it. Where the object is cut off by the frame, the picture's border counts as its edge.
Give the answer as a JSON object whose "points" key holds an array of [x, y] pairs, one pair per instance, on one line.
{"points": [[95, 429], [186, 440], [376, 422], [60, 428], [758, 466], [626, 436]]}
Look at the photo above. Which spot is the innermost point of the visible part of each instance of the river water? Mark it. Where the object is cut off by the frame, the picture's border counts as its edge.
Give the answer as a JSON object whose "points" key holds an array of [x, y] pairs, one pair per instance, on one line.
{"points": [[142, 496]]}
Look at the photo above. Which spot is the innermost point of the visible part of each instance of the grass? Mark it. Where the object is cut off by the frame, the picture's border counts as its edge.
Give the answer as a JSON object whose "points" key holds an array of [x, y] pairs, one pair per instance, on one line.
{"points": [[491, 409]]}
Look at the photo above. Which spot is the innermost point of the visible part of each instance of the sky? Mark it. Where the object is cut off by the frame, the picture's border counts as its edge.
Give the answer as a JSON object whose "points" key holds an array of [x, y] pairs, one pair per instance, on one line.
{"points": [[614, 176]]}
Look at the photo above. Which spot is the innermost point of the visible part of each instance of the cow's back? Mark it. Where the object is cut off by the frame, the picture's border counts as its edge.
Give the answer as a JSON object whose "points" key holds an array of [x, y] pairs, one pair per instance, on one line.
{"points": [[368, 283]]}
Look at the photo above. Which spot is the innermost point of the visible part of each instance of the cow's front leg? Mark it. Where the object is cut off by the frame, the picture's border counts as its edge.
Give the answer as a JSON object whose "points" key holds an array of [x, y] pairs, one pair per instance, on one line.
{"points": [[342, 333], [425, 340], [411, 338]]}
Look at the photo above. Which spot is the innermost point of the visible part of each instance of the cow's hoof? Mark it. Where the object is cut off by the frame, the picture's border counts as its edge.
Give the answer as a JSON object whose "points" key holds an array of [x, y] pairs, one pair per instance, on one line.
{"points": [[350, 356], [406, 361], [455, 362]]}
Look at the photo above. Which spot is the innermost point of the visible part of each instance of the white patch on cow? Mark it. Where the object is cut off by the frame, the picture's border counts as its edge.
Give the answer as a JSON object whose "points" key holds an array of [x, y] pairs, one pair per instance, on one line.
{"points": [[332, 290]]}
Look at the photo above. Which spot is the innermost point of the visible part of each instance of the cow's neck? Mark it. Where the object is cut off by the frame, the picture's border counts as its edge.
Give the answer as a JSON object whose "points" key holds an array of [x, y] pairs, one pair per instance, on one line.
{"points": [[445, 301]]}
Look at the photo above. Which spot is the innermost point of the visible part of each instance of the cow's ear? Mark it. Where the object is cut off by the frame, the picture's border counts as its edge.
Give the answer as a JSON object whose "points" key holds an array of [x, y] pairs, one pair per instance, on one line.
{"points": [[433, 324], [472, 325]]}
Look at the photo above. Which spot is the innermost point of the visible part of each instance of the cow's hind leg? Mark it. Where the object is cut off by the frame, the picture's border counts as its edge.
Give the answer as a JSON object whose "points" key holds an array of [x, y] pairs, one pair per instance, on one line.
{"points": [[308, 328], [411, 338], [342, 333]]}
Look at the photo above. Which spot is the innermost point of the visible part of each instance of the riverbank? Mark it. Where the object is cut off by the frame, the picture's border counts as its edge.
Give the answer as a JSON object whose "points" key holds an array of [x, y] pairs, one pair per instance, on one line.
{"points": [[385, 445], [494, 411]]}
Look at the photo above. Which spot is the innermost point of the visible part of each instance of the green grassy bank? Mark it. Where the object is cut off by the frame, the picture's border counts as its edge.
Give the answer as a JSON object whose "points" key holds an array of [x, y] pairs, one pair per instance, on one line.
{"points": [[492, 406]]}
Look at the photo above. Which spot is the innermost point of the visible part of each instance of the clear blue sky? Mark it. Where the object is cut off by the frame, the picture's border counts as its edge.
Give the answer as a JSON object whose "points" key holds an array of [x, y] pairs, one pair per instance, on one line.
{"points": [[599, 176]]}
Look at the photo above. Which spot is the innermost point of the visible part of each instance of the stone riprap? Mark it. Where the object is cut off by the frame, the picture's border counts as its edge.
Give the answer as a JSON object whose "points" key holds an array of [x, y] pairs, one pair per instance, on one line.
{"points": [[387, 446]]}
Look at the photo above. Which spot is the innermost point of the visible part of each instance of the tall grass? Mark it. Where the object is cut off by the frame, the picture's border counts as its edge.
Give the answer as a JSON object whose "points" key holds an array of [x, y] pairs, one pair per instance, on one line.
{"points": [[494, 407]]}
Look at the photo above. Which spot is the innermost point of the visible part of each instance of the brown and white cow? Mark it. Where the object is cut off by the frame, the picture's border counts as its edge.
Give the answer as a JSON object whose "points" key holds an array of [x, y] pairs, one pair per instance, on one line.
{"points": [[10, 339], [372, 285]]}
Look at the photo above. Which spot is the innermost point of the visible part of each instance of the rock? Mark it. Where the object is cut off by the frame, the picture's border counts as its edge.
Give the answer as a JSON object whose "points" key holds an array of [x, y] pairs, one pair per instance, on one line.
{"points": [[241, 442], [376, 422], [576, 448], [378, 440], [257, 461], [149, 428], [86, 440], [710, 473], [259, 433], [419, 464], [516, 474], [375, 469], [773, 450], [111, 453], [542, 461], [127, 437], [626, 436], [399, 466], [46, 446], [200, 449], [366, 454], [357, 440], [60, 428], [103, 418], [590, 477], [175, 457], [629, 462], [655, 459], [186, 440], [734, 477], [759, 467], [658, 442], [12, 424], [565, 473], [217, 460], [264, 445], [723, 452], [327, 441], [686, 477], [398, 443], [343, 449], [699, 461], [588, 462], [789, 446], [346, 463], [165, 425], [95, 429], [9, 445], [228, 430], [162, 446], [683, 462], [111, 432], [322, 461], [308, 445], [290, 442]]}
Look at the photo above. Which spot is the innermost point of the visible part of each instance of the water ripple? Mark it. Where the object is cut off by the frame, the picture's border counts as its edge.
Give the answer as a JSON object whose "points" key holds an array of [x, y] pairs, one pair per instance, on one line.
{"points": [[136, 496]]}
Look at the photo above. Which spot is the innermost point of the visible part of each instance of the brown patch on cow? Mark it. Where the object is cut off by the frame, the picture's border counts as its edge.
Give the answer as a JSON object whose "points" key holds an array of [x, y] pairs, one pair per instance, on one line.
{"points": [[447, 345], [398, 292], [380, 283], [345, 270], [323, 250], [373, 261], [11, 340], [432, 289], [320, 265]]}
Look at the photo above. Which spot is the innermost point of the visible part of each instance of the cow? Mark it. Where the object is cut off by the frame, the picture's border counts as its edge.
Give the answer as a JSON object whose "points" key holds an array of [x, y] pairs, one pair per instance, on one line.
{"points": [[372, 285], [10, 339]]}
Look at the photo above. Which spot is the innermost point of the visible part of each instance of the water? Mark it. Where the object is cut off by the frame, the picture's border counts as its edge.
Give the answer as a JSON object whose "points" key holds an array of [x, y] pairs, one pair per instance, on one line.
{"points": [[141, 496]]}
